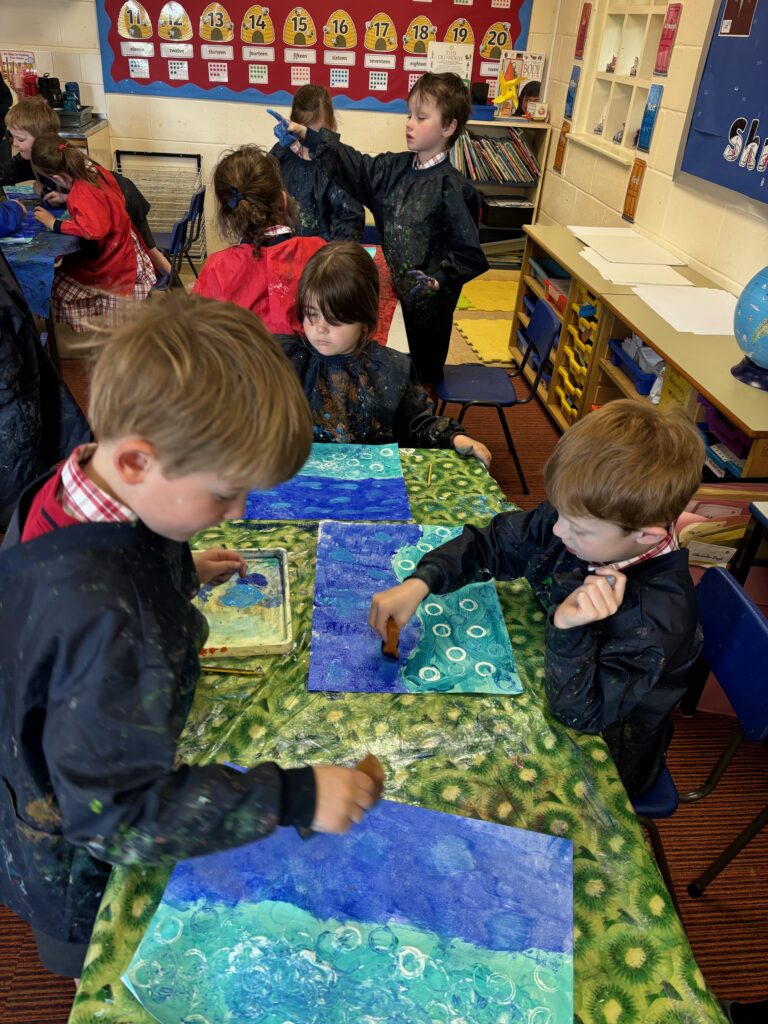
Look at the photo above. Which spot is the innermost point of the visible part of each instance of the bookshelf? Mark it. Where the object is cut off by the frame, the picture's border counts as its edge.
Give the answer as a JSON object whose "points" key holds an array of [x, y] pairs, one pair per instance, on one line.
{"points": [[511, 193]]}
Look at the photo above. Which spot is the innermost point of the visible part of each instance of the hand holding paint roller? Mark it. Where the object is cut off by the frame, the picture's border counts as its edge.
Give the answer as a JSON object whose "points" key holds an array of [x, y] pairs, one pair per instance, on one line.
{"points": [[343, 795]]}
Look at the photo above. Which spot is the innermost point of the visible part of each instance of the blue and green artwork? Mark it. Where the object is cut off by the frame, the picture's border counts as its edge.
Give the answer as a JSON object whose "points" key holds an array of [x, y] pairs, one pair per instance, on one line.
{"points": [[339, 481], [413, 917], [457, 642]]}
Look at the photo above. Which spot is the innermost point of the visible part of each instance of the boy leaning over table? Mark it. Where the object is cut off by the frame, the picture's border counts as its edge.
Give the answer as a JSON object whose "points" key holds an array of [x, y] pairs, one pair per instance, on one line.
{"points": [[602, 559], [193, 404]]}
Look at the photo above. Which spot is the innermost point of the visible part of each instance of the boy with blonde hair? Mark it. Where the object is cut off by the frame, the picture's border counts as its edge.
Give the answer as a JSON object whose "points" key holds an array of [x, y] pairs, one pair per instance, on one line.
{"points": [[193, 404], [601, 557], [25, 121], [31, 118]]}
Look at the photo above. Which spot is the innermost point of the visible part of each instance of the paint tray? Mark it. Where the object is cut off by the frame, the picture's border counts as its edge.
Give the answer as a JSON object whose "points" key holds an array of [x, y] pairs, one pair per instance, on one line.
{"points": [[250, 616]]}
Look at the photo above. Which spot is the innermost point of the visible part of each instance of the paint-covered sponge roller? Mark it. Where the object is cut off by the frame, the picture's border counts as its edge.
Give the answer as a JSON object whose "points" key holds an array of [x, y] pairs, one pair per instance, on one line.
{"points": [[389, 647], [371, 766]]}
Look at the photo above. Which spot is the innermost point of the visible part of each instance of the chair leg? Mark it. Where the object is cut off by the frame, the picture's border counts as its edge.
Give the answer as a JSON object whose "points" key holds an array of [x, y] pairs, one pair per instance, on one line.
{"points": [[696, 888], [192, 266], [661, 858], [439, 408], [512, 449], [717, 772], [692, 696]]}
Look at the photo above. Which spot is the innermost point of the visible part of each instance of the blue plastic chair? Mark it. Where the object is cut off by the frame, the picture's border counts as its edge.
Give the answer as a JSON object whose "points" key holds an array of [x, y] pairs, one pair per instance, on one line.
{"points": [[736, 651], [177, 241], [193, 219], [471, 384]]}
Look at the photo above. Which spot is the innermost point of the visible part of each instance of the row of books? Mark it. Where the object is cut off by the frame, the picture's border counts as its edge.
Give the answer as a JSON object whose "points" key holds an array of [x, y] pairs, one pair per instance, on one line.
{"points": [[504, 160]]}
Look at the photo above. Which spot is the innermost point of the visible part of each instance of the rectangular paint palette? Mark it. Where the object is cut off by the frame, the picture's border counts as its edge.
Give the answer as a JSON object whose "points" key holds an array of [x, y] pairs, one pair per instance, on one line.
{"points": [[250, 615]]}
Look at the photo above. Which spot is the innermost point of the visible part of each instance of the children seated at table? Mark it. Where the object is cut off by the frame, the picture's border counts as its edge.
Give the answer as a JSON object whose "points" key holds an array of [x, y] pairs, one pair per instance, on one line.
{"points": [[324, 209], [602, 559], [193, 404], [261, 270], [359, 391], [425, 210], [30, 118], [114, 261]]}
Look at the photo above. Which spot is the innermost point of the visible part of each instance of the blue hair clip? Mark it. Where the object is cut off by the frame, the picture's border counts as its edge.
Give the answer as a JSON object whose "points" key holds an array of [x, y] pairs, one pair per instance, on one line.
{"points": [[236, 197]]}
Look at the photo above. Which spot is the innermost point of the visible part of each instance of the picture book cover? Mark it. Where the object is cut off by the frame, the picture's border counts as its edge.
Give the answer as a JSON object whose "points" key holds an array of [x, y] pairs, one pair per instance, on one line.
{"points": [[457, 643], [650, 114], [570, 96], [414, 916]]}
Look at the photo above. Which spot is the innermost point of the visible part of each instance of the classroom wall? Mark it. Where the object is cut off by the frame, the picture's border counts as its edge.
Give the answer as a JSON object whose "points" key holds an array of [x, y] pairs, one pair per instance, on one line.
{"points": [[65, 38], [719, 232]]}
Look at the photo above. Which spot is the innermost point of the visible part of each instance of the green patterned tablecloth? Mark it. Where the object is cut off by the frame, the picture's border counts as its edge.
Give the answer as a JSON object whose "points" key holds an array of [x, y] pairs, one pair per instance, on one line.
{"points": [[499, 758]]}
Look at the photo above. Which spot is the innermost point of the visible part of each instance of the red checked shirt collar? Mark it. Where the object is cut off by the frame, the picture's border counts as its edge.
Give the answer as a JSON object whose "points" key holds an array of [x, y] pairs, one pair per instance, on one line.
{"points": [[666, 544], [432, 162], [277, 229], [82, 499]]}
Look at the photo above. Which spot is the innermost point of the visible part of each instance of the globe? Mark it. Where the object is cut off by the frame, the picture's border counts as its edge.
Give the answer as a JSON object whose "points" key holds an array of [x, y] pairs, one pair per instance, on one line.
{"points": [[750, 325]]}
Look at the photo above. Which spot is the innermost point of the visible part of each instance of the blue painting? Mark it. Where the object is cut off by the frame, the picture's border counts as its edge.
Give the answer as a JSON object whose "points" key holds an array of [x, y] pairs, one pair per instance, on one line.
{"points": [[339, 481], [457, 643], [414, 917]]}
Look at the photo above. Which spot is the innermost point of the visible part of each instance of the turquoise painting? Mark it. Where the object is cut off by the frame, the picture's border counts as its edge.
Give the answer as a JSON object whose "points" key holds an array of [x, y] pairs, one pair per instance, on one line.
{"points": [[414, 917], [457, 643], [339, 481]]}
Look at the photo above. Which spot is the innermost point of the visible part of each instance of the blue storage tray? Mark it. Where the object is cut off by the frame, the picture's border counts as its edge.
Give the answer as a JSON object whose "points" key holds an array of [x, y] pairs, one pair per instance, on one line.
{"points": [[643, 381], [529, 304], [544, 266]]}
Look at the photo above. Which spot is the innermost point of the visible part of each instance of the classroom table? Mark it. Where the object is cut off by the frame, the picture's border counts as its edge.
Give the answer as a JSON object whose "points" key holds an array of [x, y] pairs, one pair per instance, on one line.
{"points": [[499, 758], [33, 261]]}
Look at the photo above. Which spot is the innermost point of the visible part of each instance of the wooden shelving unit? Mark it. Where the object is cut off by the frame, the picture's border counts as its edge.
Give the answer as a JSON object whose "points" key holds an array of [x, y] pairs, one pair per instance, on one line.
{"points": [[627, 40], [581, 375]]}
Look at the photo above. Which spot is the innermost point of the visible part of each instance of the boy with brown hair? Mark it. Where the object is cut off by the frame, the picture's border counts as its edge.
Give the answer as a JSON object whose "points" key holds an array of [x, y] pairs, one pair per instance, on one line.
{"points": [[601, 557], [193, 404], [425, 210]]}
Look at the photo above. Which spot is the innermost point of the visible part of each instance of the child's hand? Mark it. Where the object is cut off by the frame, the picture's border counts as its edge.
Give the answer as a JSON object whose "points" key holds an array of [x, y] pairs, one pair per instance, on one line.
{"points": [[598, 597], [45, 217], [283, 130], [19, 203], [398, 603], [468, 446], [216, 565], [55, 198], [343, 795], [422, 282]]}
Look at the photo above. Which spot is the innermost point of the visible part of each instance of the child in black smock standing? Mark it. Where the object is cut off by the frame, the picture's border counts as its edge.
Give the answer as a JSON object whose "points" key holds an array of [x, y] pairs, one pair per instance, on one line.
{"points": [[425, 210], [324, 210]]}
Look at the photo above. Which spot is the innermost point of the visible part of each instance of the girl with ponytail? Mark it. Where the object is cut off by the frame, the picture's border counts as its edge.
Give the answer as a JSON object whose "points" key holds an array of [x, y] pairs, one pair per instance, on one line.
{"points": [[114, 261], [261, 270]]}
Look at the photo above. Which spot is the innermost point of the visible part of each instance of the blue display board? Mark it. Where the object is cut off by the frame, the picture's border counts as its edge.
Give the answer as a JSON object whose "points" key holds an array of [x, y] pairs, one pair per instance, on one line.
{"points": [[728, 137]]}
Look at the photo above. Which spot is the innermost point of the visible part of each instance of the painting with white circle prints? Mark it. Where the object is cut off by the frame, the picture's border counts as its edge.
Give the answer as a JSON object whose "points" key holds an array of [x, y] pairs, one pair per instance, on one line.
{"points": [[413, 917], [338, 481], [456, 643]]}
